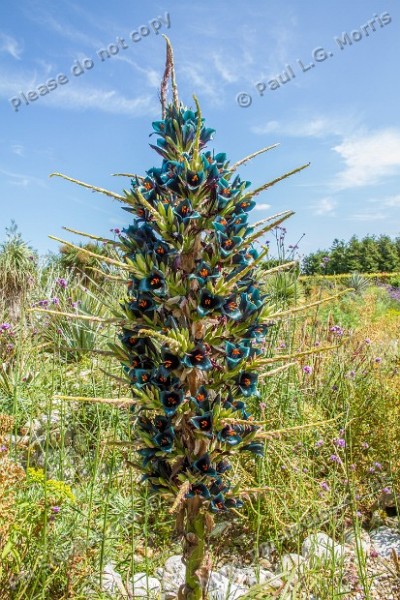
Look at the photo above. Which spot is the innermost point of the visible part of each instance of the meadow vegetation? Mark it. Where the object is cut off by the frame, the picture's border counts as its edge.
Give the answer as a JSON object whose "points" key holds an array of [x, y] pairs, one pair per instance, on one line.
{"points": [[71, 501]]}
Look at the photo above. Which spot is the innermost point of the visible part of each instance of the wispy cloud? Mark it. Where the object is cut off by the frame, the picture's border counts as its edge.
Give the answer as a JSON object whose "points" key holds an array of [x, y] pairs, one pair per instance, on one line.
{"points": [[262, 206], [387, 201], [22, 179], [10, 45], [77, 96], [314, 126], [203, 82], [17, 149], [226, 70], [368, 158], [325, 207], [368, 215]]}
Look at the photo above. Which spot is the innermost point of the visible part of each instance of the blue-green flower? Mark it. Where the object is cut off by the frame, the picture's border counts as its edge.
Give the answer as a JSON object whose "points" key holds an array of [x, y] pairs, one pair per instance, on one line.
{"points": [[198, 489], [171, 362], [140, 377], [154, 283], [247, 383], [144, 304], [197, 358], [204, 273], [228, 244], [258, 331], [203, 423], [165, 440], [171, 400], [231, 309], [208, 302], [236, 353], [203, 464], [185, 212], [230, 435], [256, 448], [250, 303], [201, 399], [194, 179], [244, 205]]}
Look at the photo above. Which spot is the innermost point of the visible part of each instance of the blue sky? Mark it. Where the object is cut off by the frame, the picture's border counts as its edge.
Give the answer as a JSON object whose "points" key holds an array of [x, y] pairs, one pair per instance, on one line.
{"points": [[341, 115]]}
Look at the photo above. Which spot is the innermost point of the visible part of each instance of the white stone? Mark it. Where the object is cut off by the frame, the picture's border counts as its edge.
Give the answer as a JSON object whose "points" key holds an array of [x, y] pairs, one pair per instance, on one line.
{"points": [[320, 547], [385, 540], [291, 562], [111, 580], [360, 539], [145, 587], [173, 577], [220, 588], [267, 550]]}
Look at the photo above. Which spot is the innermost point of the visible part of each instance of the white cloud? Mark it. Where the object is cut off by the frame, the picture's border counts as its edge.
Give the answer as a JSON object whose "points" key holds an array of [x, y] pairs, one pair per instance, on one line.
{"points": [[10, 45], [227, 71], [367, 216], [325, 207], [262, 206], [368, 158], [389, 201], [77, 96], [22, 179], [17, 149], [315, 126], [201, 81]]}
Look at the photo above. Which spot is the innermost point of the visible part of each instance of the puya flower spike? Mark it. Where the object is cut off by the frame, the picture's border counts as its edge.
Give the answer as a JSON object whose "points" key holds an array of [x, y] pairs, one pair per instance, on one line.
{"points": [[193, 324]]}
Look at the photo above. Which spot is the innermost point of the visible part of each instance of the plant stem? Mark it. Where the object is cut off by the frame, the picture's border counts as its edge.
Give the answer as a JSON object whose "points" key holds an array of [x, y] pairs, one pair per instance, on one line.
{"points": [[195, 555]]}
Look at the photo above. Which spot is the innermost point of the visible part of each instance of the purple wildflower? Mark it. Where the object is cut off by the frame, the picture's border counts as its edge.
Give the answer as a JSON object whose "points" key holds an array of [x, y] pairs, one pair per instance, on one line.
{"points": [[324, 486], [5, 326], [334, 458], [365, 445], [319, 443], [62, 282], [3, 448], [386, 490], [55, 301], [307, 369], [55, 509], [339, 331], [378, 359], [339, 443]]}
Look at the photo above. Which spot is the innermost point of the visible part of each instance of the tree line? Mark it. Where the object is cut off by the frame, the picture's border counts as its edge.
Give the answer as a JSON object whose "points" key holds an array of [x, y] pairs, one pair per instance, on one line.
{"points": [[371, 254]]}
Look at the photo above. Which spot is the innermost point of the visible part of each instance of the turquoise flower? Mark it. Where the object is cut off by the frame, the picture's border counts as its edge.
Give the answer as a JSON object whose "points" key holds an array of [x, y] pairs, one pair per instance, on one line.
{"points": [[184, 211], [199, 489], [203, 423], [256, 448], [228, 244], [144, 304], [247, 383], [197, 359], [194, 179], [203, 464], [244, 205], [204, 273], [230, 435], [250, 303], [201, 399], [165, 440], [236, 353], [231, 309], [208, 302], [171, 401], [154, 283]]}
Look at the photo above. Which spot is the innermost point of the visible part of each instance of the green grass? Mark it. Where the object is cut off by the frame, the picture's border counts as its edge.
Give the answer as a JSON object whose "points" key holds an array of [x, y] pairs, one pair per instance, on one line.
{"points": [[72, 502]]}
